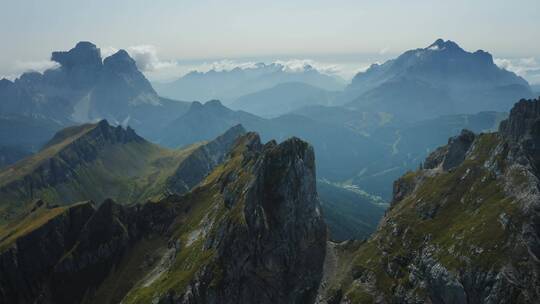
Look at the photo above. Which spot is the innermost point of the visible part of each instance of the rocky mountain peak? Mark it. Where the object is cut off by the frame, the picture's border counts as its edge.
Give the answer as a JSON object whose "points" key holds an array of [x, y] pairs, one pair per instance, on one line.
{"points": [[120, 62], [451, 155], [440, 45], [523, 123], [115, 133], [83, 54], [212, 106], [270, 193]]}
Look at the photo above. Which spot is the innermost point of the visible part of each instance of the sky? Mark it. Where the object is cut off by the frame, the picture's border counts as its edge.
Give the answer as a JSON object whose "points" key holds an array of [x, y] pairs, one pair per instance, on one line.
{"points": [[340, 36]]}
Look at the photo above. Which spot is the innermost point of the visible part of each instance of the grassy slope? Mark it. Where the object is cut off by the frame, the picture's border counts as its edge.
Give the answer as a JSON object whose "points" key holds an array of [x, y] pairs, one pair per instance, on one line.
{"points": [[206, 211], [127, 173], [28, 222], [468, 202], [129, 280], [131, 172], [24, 167]]}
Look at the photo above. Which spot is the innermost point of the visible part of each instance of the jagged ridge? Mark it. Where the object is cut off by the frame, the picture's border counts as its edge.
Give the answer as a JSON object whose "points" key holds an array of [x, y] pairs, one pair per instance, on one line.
{"points": [[251, 232], [462, 230], [99, 161]]}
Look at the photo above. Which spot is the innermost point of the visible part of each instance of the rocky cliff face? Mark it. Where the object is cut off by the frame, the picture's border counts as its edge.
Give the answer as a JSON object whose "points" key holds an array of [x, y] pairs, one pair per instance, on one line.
{"points": [[263, 239], [63, 254], [251, 232], [466, 232], [203, 160]]}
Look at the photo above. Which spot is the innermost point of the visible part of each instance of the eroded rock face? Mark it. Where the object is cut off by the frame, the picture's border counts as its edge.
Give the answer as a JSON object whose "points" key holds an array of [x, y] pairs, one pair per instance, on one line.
{"points": [[261, 239], [67, 259], [464, 229], [282, 212], [84, 53], [451, 155], [277, 254], [27, 263], [522, 128], [202, 161]]}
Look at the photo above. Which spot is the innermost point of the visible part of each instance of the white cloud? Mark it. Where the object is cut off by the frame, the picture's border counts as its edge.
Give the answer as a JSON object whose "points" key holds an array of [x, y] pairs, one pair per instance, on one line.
{"points": [[384, 51], [9, 77], [156, 69], [289, 65], [527, 68], [301, 65], [36, 66], [224, 65], [147, 59], [145, 56]]}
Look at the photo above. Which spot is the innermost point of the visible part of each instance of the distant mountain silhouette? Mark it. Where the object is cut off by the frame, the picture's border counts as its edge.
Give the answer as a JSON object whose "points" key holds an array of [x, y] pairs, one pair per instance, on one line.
{"points": [[371, 151], [283, 98], [84, 88], [437, 80], [228, 85]]}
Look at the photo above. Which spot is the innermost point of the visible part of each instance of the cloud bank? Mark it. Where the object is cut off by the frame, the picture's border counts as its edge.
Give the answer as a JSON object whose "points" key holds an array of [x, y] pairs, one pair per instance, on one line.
{"points": [[528, 68]]}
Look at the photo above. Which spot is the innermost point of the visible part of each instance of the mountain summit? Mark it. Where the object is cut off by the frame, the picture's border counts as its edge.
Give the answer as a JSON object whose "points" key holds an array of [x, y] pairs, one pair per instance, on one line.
{"points": [[439, 79], [85, 88]]}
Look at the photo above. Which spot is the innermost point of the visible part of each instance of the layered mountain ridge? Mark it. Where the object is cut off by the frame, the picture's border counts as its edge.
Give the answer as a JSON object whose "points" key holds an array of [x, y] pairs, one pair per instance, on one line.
{"points": [[99, 161], [208, 246], [229, 85], [463, 229]]}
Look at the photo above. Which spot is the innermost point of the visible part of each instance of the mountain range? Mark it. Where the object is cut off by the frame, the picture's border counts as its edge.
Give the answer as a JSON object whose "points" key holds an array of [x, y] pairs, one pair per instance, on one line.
{"points": [[252, 231], [440, 79], [360, 150], [283, 99], [351, 146], [85, 88], [229, 85], [99, 161], [463, 228]]}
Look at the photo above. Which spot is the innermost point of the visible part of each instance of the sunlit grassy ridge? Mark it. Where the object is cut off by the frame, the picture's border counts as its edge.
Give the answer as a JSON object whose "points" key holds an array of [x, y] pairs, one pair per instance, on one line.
{"points": [[457, 213], [27, 223], [79, 164], [59, 142]]}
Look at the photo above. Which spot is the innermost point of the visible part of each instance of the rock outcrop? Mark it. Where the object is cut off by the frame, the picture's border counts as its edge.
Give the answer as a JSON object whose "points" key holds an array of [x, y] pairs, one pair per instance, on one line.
{"points": [[252, 232], [203, 160], [466, 232], [453, 154], [266, 230]]}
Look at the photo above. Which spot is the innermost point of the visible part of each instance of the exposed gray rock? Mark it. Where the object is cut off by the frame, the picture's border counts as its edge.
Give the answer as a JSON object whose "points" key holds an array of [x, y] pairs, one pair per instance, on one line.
{"points": [[451, 155], [201, 162]]}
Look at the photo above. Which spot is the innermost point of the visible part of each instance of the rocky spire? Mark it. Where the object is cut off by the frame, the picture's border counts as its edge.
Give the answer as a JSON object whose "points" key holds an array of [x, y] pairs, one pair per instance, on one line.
{"points": [[120, 62], [523, 123], [83, 54]]}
